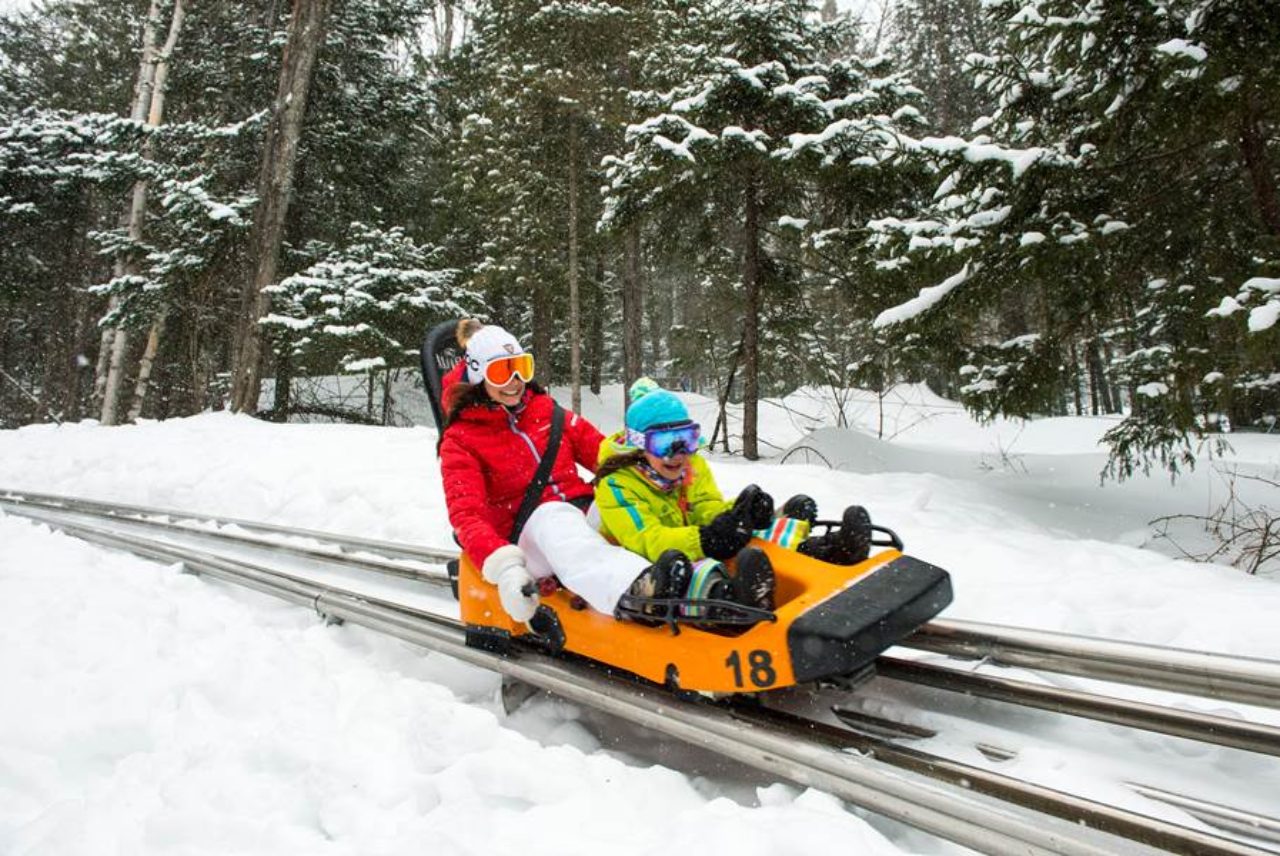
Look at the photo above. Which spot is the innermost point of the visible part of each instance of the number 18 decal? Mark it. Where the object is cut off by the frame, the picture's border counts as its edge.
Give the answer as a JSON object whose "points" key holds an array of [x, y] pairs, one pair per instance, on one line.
{"points": [[759, 668]]}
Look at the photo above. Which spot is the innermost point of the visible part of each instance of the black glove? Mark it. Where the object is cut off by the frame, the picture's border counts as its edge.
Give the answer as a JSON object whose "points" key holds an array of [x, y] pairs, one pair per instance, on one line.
{"points": [[724, 536], [754, 507]]}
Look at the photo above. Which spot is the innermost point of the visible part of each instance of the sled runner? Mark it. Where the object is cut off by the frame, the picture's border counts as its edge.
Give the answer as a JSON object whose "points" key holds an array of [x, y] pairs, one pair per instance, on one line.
{"points": [[829, 621]]}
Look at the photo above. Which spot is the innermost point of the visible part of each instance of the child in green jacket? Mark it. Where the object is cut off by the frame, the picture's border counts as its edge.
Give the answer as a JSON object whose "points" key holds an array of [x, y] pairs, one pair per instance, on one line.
{"points": [[655, 493]]}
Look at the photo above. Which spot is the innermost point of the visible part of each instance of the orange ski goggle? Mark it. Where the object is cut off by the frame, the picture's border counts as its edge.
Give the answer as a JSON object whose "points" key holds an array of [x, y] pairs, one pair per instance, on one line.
{"points": [[500, 371]]}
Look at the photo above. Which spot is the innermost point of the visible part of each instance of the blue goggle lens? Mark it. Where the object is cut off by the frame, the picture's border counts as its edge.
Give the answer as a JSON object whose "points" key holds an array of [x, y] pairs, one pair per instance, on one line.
{"points": [[666, 442]]}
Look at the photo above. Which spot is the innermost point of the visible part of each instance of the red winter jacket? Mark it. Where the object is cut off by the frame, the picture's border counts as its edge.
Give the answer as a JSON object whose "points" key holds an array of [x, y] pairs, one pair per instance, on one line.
{"points": [[488, 457]]}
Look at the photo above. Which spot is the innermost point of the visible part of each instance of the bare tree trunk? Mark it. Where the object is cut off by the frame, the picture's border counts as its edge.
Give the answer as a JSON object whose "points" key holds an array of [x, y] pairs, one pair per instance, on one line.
{"points": [[387, 400], [145, 365], [57, 355], [575, 320], [1075, 378], [880, 396], [142, 89], [1095, 387], [1253, 145], [272, 13], [447, 45], [882, 21], [632, 311], [722, 417], [1115, 403], [653, 320], [202, 362], [751, 324], [84, 334], [543, 320], [282, 402], [596, 348], [275, 192], [137, 219]]}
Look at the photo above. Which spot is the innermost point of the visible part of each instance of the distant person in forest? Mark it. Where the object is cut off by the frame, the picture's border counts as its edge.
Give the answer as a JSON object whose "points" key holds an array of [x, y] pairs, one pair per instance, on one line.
{"points": [[497, 428], [655, 493]]}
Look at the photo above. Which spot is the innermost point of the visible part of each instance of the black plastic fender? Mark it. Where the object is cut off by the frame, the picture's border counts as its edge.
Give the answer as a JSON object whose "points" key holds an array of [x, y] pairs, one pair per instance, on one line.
{"points": [[848, 630]]}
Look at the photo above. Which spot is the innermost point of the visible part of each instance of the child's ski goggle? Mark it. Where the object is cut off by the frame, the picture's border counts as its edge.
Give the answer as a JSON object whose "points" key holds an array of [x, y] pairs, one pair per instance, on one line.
{"points": [[500, 371], [666, 442]]}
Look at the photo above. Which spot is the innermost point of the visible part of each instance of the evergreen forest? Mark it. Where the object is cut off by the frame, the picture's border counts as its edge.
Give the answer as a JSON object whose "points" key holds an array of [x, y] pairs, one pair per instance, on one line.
{"points": [[1037, 207]]}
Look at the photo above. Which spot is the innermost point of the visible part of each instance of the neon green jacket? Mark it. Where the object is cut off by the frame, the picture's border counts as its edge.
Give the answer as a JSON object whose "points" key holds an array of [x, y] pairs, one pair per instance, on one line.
{"points": [[648, 520]]}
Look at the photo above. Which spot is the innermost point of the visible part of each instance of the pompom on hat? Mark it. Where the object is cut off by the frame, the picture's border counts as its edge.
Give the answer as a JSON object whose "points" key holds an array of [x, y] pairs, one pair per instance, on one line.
{"points": [[487, 344], [651, 406]]}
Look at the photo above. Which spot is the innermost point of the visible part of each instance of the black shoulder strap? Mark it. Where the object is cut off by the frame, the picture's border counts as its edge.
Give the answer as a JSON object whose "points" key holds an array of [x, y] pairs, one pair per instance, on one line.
{"points": [[534, 492]]}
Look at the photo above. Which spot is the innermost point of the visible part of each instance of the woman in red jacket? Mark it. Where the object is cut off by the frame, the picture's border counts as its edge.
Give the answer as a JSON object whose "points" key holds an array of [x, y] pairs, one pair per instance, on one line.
{"points": [[497, 424]]}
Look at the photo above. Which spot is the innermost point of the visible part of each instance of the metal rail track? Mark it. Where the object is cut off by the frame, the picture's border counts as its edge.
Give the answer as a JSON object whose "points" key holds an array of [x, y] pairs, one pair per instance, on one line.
{"points": [[972, 807], [16, 499], [1213, 676], [1205, 728], [1246, 680], [348, 554], [1226, 818], [1227, 678]]}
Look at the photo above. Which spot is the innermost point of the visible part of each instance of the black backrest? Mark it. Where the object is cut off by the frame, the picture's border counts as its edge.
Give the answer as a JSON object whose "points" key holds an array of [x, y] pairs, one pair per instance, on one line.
{"points": [[440, 352]]}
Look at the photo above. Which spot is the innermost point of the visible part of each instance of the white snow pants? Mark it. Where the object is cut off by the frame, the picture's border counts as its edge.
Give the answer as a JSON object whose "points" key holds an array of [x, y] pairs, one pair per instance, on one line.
{"points": [[557, 539]]}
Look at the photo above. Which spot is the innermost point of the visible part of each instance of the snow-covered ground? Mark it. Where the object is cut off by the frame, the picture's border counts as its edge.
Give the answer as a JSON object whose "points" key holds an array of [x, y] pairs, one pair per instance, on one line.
{"points": [[145, 711]]}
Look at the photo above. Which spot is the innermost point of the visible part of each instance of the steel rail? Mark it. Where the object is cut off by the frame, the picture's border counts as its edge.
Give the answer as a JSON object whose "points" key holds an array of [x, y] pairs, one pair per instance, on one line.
{"points": [[1168, 837], [385, 548], [971, 807], [1246, 680], [1201, 727], [1224, 817], [46, 511], [1247, 824], [1221, 677]]}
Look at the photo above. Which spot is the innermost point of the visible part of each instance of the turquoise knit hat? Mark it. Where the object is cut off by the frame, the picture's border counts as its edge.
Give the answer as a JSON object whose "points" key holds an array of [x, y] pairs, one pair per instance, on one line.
{"points": [[652, 405]]}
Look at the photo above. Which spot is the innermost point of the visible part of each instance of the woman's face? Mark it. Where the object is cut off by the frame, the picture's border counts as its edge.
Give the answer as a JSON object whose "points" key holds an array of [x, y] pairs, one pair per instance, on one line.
{"points": [[671, 467], [509, 395]]}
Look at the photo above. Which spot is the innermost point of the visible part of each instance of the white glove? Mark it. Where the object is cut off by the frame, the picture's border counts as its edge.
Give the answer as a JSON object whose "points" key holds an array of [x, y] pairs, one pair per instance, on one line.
{"points": [[505, 569]]}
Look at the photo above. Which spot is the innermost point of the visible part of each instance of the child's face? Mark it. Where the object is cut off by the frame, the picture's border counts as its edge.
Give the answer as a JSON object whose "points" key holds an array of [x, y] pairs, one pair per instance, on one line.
{"points": [[671, 467]]}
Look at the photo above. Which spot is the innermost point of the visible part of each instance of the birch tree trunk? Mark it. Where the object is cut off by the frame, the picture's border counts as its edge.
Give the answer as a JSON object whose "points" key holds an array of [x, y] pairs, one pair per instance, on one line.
{"points": [[1098, 374], [138, 210], [138, 112], [275, 191], [447, 46], [154, 118], [575, 320], [145, 366]]}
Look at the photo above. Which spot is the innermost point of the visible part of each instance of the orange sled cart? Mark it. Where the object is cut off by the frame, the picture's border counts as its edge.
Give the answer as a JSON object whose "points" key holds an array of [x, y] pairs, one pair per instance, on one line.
{"points": [[830, 622]]}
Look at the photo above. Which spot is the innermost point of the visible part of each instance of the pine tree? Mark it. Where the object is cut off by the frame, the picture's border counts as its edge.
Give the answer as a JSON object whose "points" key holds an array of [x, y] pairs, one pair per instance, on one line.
{"points": [[1090, 205], [54, 167], [362, 305], [930, 40], [540, 95], [757, 120]]}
